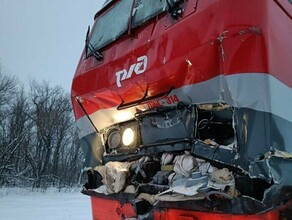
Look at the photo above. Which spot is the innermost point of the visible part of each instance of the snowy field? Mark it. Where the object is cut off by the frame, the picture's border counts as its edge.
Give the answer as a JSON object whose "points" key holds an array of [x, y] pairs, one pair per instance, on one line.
{"points": [[26, 204]]}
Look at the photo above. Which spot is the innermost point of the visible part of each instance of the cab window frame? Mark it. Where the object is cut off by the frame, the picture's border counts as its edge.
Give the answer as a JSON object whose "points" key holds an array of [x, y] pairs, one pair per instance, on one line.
{"points": [[97, 34]]}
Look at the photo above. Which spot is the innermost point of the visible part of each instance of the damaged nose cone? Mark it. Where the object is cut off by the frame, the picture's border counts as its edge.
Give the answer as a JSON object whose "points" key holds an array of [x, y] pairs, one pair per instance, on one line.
{"points": [[200, 167]]}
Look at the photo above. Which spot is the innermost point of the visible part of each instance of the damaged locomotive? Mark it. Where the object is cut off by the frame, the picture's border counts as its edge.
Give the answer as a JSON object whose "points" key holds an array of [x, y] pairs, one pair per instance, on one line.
{"points": [[183, 110]]}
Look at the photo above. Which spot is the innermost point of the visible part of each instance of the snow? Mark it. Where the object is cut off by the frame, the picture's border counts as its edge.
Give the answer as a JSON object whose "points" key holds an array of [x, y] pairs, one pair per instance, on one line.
{"points": [[52, 204]]}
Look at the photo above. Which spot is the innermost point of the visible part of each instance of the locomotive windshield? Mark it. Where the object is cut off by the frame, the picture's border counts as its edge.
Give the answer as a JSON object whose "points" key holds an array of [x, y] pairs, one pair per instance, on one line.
{"points": [[145, 10], [112, 24], [115, 22]]}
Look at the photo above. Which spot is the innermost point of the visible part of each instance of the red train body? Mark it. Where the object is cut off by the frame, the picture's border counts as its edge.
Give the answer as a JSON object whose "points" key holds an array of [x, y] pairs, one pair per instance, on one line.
{"points": [[210, 78]]}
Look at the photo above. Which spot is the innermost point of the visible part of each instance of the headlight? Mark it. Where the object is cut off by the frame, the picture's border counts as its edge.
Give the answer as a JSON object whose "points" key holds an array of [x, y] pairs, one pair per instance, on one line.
{"points": [[128, 136], [114, 139], [123, 138]]}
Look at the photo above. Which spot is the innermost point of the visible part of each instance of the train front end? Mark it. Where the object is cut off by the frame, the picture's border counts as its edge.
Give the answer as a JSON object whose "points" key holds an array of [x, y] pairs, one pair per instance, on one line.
{"points": [[184, 110]]}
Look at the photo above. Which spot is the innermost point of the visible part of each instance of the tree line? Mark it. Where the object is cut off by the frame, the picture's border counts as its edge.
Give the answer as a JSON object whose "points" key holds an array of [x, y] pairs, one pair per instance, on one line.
{"points": [[39, 146]]}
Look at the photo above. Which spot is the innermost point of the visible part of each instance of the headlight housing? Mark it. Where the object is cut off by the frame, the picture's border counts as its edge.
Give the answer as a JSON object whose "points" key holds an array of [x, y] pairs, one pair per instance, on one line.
{"points": [[114, 139], [123, 138]]}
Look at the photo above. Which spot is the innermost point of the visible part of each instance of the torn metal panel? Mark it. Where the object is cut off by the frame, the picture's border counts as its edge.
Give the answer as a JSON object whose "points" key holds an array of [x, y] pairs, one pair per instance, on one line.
{"points": [[167, 126], [221, 155], [280, 169], [260, 169], [92, 150]]}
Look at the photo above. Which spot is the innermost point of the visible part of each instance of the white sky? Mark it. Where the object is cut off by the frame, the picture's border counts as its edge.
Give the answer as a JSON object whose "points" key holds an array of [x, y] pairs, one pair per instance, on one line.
{"points": [[43, 39]]}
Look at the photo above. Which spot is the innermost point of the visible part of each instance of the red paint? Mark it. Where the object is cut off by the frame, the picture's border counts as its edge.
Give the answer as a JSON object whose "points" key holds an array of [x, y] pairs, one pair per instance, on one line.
{"points": [[168, 44], [111, 209], [173, 214]]}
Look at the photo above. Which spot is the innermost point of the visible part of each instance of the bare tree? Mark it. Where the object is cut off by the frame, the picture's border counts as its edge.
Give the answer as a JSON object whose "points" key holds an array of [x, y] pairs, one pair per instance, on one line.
{"points": [[18, 130], [7, 91], [38, 141], [7, 87], [53, 119]]}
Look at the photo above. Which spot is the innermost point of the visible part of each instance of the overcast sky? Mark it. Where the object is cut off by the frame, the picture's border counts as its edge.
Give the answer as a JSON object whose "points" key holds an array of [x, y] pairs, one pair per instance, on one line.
{"points": [[43, 39]]}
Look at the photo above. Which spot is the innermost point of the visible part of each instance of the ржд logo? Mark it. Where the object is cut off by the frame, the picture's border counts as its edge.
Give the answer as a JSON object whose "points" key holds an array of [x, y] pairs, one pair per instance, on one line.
{"points": [[137, 68]]}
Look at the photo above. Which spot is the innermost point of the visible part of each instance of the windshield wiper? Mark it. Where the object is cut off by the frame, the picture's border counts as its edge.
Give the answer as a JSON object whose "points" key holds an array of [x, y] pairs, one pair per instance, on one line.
{"points": [[88, 46]]}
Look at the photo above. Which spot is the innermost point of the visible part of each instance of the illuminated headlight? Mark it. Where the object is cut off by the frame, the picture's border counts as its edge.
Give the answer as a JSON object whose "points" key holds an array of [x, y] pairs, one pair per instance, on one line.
{"points": [[128, 136]]}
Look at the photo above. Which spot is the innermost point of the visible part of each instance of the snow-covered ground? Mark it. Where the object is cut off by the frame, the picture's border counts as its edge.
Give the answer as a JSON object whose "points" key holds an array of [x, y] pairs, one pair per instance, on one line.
{"points": [[16, 203]]}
